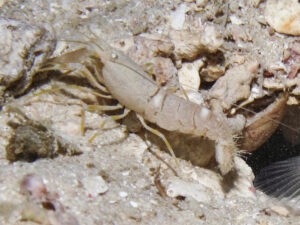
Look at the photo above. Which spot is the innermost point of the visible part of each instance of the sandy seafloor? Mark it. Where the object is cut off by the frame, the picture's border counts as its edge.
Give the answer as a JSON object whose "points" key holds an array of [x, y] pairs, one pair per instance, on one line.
{"points": [[115, 179]]}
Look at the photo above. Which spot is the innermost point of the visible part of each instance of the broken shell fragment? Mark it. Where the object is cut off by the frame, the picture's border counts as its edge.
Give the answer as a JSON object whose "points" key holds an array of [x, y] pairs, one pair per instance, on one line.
{"points": [[232, 92], [189, 45], [212, 72], [291, 59], [19, 44], [196, 191], [189, 75], [177, 18], [260, 127], [94, 185], [284, 16]]}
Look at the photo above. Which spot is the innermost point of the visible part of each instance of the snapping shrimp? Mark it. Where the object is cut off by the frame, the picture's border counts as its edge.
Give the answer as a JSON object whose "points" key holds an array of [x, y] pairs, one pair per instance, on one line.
{"points": [[125, 81]]}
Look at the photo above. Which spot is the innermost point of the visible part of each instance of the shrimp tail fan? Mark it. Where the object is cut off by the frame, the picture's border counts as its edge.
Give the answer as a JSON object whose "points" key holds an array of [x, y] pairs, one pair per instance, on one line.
{"points": [[281, 179]]}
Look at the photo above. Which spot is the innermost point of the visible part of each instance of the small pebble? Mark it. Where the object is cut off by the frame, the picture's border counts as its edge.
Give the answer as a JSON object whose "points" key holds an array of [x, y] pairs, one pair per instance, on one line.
{"points": [[94, 185], [134, 204], [126, 173], [34, 186], [280, 210], [123, 194]]}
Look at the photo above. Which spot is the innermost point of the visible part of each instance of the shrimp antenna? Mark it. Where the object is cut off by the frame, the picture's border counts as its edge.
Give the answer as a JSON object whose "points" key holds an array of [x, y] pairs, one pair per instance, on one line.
{"points": [[253, 112]]}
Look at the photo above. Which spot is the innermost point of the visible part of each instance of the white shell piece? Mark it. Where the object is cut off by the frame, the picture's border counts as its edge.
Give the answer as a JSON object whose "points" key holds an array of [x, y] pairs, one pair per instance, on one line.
{"points": [[280, 210], [235, 20], [123, 194], [195, 96], [284, 16], [201, 3], [134, 204], [188, 75], [178, 17], [94, 185], [198, 192]]}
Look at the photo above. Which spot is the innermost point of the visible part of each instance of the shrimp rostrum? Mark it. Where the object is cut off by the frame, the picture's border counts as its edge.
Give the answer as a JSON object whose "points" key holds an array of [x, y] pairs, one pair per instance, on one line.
{"points": [[118, 76]]}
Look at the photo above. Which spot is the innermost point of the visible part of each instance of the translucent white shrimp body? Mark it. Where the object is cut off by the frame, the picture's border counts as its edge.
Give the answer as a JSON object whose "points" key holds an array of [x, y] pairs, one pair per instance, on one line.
{"points": [[130, 85]]}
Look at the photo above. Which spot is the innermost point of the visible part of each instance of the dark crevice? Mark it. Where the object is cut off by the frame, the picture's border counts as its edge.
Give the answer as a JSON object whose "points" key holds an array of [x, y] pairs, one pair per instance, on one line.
{"points": [[275, 149]]}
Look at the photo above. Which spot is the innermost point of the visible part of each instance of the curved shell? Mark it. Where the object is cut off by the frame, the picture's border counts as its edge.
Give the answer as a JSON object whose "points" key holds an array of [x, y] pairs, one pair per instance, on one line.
{"points": [[284, 16]]}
